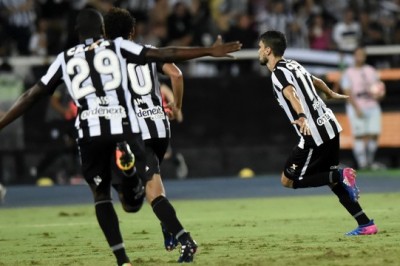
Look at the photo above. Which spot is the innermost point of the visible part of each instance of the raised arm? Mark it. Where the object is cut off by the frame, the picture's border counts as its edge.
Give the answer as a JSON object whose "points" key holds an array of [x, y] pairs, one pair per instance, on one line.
{"points": [[174, 54]]}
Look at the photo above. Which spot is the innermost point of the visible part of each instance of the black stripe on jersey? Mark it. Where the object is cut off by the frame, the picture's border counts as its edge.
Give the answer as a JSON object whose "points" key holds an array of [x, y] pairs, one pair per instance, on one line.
{"points": [[98, 85], [150, 124]]}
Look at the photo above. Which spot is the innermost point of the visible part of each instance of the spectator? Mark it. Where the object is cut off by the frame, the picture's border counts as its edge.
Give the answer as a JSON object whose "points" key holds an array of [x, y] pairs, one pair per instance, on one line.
{"points": [[277, 19], [179, 25], [297, 35], [202, 26], [38, 41], [244, 32], [363, 108], [320, 34], [347, 32], [20, 16]]}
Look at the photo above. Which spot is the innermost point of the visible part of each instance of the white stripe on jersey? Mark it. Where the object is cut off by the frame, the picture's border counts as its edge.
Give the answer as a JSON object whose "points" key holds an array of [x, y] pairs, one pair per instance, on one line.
{"points": [[116, 123]]}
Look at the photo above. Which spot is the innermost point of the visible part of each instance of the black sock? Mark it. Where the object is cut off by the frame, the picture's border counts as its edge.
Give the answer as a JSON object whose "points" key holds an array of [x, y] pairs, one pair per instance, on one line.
{"points": [[352, 207], [317, 180], [165, 212], [109, 223]]}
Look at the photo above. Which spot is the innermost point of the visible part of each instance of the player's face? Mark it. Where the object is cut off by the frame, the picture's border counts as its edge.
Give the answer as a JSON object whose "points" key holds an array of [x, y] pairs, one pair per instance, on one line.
{"points": [[262, 53]]}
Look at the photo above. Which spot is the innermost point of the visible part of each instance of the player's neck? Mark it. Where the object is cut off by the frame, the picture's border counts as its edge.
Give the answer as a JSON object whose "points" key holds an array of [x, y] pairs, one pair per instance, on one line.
{"points": [[272, 62], [87, 40]]}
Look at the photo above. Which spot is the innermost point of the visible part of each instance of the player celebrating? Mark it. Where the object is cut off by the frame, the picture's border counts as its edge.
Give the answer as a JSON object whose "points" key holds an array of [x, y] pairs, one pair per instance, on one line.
{"points": [[95, 74], [314, 161], [155, 128]]}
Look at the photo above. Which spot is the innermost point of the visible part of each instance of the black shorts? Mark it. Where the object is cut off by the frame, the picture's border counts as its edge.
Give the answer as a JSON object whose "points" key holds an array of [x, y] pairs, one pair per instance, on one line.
{"points": [[98, 158], [155, 151], [313, 159]]}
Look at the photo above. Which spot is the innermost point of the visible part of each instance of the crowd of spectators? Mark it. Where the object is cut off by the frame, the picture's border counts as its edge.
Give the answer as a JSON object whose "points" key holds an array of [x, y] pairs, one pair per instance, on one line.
{"points": [[45, 27]]}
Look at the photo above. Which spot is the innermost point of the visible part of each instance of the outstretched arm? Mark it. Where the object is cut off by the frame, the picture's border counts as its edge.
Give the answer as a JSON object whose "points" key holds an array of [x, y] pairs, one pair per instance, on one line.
{"points": [[22, 104], [330, 94], [174, 54], [175, 74]]}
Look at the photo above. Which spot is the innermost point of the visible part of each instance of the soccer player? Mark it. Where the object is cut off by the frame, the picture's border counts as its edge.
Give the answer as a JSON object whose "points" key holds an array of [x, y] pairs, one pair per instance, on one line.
{"points": [[314, 161], [95, 74], [155, 128]]}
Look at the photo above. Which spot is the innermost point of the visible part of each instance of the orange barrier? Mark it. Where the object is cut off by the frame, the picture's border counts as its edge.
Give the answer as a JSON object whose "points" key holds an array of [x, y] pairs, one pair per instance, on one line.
{"points": [[389, 138], [384, 74]]}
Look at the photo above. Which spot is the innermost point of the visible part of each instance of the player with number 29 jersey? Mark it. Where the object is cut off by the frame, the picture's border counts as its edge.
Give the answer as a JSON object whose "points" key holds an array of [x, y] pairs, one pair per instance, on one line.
{"points": [[102, 64]]}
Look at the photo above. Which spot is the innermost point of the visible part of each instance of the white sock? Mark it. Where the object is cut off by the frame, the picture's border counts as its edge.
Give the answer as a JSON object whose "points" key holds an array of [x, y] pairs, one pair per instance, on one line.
{"points": [[360, 153], [372, 146]]}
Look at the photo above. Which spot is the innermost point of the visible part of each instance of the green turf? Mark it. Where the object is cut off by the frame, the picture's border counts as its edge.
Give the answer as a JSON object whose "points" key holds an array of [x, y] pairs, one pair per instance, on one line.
{"points": [[268, 231], [392, 173]]}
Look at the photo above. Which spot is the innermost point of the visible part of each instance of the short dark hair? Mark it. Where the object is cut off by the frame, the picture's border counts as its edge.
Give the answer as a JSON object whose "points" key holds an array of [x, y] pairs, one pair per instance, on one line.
{"points": [[276, 40], [89, 23], [118, 23]]}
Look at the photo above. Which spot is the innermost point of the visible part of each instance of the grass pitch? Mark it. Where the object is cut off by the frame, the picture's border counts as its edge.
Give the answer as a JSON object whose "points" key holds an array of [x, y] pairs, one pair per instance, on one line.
{"points": [[264, 231]]}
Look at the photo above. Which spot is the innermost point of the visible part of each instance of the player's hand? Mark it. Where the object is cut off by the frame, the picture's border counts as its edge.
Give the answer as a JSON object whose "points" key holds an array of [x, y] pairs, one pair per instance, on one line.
{"points": [[303, 125], [220, 49], [173, 112], [335, 95]]}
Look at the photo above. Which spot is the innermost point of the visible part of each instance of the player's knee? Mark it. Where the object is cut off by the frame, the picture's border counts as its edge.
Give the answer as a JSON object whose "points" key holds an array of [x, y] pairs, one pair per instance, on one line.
{"points": [[286, 182], [101, 195]]}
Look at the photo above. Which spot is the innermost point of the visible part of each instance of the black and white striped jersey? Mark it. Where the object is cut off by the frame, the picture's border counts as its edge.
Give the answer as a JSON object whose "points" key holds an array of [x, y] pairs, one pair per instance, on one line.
{"points": [[96, 76], [147, 100], [323, 123]]}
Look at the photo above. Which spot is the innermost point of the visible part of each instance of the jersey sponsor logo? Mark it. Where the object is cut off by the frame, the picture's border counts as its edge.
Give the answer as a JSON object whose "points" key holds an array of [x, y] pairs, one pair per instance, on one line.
{"points": [[153, 113], [317, 104], [108, 112], [325, 118]]}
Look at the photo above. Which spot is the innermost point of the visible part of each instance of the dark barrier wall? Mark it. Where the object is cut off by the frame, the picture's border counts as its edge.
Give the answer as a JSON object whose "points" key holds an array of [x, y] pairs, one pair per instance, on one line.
{"points": [[229, 123]]}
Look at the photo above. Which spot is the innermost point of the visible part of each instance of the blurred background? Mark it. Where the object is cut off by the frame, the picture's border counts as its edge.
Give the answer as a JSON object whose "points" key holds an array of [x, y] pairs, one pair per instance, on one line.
{"points": [[231, 119]]}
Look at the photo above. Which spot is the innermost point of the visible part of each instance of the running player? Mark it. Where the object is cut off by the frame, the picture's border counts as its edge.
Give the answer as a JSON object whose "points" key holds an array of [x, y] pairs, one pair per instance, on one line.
{"points": [[155, 128], [314, 161], [95, 74]]}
